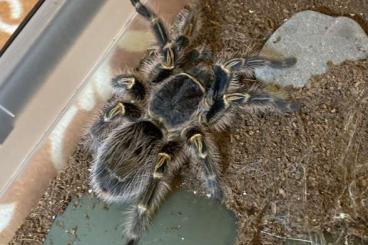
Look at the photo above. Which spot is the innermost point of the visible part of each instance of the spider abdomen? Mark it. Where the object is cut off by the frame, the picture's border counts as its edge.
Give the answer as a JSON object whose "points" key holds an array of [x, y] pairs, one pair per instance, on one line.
{"points": [[177, 100], [126, 155]]}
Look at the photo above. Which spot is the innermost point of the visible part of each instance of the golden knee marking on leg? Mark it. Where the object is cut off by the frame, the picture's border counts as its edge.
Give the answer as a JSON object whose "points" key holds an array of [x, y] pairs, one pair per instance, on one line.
{"points": [[119, 108], [127, 81], [169, 62], [233, 97], [198, 142], [190, 30], [157, 175], [163, 158]]}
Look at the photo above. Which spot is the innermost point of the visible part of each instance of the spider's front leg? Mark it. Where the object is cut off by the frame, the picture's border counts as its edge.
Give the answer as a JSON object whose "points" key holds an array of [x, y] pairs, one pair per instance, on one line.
{"points": [[205, 153], [161, 34], [168, 160], [156, 24], [172, 52]]}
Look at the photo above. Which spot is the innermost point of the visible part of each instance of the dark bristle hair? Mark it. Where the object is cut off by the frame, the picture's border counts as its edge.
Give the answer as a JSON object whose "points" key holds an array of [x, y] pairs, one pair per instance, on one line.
{"points": [[150, 129]]}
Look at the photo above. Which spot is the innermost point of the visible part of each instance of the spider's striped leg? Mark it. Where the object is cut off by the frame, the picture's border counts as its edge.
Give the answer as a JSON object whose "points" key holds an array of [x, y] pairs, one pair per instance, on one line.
{"points": [[255, 98], [140, 215], [130, 84], [248, 64], [204, 152], [216, 93], [252, 100], [156, 24], [186, 27], [161, 34]]}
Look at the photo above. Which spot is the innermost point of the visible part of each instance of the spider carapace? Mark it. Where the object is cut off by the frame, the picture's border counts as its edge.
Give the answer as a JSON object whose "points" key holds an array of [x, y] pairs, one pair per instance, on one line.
{"points": [[165, 113]]}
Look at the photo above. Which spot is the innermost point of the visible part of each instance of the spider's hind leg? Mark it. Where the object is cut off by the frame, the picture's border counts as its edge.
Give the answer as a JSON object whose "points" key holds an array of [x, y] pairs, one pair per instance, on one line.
{"points": [[205, 153], [168, 160]]}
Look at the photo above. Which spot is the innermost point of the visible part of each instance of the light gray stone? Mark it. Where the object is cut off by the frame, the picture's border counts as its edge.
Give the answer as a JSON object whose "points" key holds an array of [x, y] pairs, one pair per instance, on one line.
{"points": [[314, 39]]}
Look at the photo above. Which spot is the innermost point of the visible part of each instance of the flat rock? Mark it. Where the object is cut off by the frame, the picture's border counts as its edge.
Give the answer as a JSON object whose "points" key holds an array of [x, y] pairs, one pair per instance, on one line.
{"points": [[314, 39]]}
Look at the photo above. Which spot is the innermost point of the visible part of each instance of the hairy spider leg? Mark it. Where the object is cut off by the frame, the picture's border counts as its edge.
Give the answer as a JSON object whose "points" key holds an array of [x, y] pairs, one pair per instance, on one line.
{"points": [[158, 186], [160, 32], [186, 27], [239, 64], [173, 52], [130, 83], [216, 93], [203, 152], [255, 98]]}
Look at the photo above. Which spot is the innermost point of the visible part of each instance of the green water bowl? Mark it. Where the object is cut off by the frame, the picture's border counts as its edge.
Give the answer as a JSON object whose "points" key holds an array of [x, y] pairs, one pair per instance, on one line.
{"points": [[184, 218]]}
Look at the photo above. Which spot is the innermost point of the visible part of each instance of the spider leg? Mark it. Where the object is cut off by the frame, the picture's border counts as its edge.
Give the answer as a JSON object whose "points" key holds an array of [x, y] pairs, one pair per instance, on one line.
{"points": [[186, 27], [257, 99], [156, 24], [140, 215], [171, 53], [252, 100], [247, 64], [131, 84], [204, 152], [166, 46]]}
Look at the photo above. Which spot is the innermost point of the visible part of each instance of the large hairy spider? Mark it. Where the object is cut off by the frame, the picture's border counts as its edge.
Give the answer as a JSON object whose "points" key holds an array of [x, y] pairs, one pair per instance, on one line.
{"points": [[165, 112]]}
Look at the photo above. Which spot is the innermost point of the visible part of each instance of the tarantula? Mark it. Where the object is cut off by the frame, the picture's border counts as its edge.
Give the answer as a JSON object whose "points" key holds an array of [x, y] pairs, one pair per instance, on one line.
{"points": [[165, 112]]}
